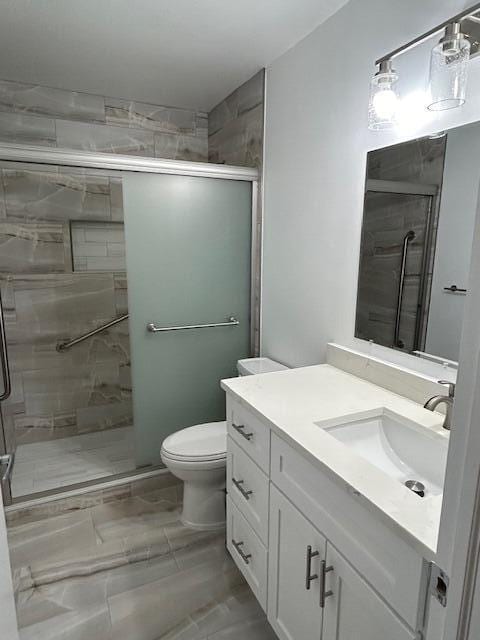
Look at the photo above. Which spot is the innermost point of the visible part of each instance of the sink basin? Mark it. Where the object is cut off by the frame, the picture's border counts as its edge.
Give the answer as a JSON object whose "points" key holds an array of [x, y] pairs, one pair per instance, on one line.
{"points": [[401, 448]]}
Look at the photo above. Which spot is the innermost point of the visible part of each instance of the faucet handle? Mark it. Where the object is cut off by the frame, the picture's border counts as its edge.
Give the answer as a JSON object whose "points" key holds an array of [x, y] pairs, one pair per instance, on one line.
{"points": [[451, 387]]}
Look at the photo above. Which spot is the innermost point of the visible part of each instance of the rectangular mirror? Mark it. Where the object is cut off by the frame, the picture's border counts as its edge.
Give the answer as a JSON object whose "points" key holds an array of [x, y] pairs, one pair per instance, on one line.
{"points": [[418, 219]]}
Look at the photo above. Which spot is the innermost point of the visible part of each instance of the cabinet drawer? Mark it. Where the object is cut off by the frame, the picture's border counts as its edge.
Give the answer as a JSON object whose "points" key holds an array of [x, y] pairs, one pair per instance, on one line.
{"points": [[248, 487], [385, 560], [248, 552], [249, 433]]}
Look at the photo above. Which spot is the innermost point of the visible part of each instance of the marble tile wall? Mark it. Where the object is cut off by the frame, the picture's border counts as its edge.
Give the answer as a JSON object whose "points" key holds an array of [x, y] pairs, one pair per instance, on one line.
{"points": [[235, 126], [235, 136], [46, 301], [32, 114], [98, 246]]}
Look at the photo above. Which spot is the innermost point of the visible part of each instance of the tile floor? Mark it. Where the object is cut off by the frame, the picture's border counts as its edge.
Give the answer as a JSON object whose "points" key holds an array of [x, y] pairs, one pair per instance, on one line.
{"points": [[129, 570], [43, 466]]}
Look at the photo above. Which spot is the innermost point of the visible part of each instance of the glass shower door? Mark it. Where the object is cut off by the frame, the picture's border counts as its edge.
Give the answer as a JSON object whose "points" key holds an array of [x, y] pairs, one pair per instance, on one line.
{"points": [[188, 243]]}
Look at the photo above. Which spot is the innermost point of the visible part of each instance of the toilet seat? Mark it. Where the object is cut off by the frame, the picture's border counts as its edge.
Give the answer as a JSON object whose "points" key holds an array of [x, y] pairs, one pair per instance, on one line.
{"points": [[202, 443]]}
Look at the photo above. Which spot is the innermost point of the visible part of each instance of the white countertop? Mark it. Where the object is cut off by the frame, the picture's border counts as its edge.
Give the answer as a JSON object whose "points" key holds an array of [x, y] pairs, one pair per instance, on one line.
{"points": [[292, 401]]}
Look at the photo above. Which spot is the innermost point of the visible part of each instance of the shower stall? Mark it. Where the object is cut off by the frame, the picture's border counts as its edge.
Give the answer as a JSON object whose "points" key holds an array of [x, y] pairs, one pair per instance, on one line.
{"points": [[129, 288]]}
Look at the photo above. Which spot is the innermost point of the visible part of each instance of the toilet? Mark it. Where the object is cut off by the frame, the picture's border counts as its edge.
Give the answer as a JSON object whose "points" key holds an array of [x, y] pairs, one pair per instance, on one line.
{"points": [[198, 455]]}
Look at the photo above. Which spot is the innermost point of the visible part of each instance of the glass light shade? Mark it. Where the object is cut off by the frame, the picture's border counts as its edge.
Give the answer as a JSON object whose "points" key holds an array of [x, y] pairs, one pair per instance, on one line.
{"points": [[449, 72], [383, 103]]}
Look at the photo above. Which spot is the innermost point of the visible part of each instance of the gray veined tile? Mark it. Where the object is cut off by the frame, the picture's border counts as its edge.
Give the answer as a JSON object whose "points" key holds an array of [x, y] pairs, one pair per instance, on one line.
{"points": [[150, 117], [111, 415], [209, 550], [251, 629], [23, 129], [238, 607], [151, 545], [50, 195], [149, 592], [201, 126], [180, 537], [87, 561], [3, 212], [116, 199], [93, 622], [46, 542], [36, 99], [240, 141], [34, 608], [60, 306], [132, 517], [104, 138], [153, 610], [192, 148], [35, 247], [68, 389], [244, 99]]}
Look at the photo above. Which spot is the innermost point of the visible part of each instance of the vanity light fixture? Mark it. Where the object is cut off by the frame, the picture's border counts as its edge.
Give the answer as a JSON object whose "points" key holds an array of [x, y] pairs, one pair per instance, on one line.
{"points": [[449, 69], [383, 103]]}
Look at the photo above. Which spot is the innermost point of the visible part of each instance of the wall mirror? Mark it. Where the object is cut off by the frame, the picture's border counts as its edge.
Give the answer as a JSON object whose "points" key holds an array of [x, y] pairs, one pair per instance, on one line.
{"points": [[418, 219]]}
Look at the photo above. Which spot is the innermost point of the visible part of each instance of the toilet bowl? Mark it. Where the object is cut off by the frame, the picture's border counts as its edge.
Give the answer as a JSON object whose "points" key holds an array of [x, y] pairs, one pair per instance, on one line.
{"points": [[198, 456]]}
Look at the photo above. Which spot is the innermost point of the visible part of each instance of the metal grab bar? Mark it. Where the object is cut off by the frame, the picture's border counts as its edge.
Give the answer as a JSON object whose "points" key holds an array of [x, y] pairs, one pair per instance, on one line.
{"points": [[64, 346], [409, 236], [7, 390], [231, 322]]}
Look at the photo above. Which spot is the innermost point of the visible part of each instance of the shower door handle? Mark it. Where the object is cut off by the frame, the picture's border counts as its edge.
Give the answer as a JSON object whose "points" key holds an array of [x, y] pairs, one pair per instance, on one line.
{"points": [[4, 357]]}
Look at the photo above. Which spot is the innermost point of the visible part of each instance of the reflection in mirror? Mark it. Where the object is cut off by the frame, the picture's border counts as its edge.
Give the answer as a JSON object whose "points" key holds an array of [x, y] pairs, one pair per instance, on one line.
{"points": [[418, 218]]}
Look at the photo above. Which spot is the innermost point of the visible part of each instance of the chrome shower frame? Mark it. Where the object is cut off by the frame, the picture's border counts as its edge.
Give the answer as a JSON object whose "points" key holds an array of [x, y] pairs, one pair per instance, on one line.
{"points": [[36, 155]]}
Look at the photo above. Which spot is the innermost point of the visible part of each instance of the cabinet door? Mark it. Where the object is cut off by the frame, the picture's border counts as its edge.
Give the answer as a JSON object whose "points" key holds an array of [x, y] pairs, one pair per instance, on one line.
{"points": [[354, 611], [296, 549]]}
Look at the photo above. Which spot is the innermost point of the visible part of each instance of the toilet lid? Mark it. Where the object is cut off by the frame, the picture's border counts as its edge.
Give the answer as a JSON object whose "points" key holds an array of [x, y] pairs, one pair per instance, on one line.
{"points": [[201, 442]]}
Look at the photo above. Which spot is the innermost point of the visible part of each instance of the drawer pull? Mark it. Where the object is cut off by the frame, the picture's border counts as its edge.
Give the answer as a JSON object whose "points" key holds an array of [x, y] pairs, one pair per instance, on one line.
{"points": [[238, 484], [244, 556], [308, 574], [239, 428], [323, 572]]}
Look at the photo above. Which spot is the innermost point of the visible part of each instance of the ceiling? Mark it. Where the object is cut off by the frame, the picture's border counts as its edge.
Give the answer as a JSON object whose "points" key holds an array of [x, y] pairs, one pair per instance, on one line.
{"points": [[189, 53]]}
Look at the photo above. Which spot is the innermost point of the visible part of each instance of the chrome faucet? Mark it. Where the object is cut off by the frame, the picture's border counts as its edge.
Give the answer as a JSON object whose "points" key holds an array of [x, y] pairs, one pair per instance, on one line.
{"points": [[432, 403]]}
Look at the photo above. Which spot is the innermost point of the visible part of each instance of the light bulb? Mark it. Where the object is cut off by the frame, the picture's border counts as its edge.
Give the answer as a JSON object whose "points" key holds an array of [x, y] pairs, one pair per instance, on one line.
{"points": [[383, 103]]}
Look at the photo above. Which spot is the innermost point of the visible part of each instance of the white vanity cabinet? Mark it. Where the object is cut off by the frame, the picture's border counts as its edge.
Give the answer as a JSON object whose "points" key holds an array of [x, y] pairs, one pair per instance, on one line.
{"points": [[313, 592], [320, 563], [354, 610], [297, 551]]}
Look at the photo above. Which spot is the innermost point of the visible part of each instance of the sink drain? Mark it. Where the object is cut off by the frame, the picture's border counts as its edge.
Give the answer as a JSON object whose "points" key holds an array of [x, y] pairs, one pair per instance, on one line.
{"points": [[416, 487]]}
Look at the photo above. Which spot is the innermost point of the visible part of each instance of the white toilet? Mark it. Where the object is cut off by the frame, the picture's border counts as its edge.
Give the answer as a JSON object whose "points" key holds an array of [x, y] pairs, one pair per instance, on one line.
{"points": [[197, 455]]}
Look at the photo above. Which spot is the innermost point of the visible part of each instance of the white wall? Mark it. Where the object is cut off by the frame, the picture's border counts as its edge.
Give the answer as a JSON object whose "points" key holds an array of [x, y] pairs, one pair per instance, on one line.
{"points": [[454, 240], [315, 153]]}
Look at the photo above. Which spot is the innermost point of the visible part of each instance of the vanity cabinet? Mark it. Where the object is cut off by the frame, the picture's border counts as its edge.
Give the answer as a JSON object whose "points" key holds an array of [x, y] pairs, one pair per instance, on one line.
{"points": [[321, 564], [297, 551], [313, 592], [354, 611]]}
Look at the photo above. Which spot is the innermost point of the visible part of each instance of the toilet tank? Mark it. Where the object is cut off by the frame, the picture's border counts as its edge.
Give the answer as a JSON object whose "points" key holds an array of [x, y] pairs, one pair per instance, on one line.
{"points": [[251, 366]]}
